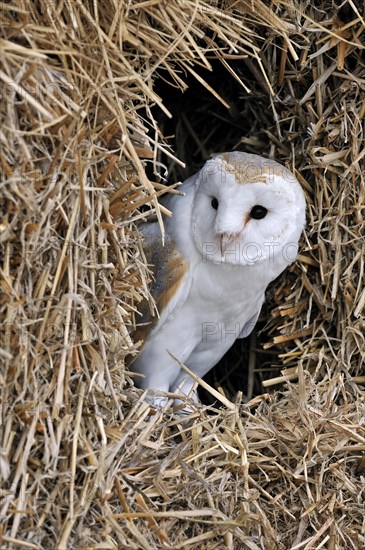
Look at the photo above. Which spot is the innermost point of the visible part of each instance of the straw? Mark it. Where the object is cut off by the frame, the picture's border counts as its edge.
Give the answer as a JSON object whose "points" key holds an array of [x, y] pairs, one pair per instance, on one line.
{"points": [[93, 118]]}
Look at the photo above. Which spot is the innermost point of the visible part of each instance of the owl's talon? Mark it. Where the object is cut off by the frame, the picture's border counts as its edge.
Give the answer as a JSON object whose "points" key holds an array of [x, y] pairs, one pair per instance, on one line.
{"points": [[157, 402]]}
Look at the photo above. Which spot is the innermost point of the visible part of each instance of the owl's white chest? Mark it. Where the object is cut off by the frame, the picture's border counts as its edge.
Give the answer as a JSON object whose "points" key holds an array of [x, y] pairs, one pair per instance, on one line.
{"points": [[225, 292], [221, 300]]}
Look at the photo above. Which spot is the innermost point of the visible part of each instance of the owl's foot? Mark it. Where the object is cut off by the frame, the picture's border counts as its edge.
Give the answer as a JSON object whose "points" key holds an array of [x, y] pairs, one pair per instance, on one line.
{"points": [[160, 402], [156, 400]]}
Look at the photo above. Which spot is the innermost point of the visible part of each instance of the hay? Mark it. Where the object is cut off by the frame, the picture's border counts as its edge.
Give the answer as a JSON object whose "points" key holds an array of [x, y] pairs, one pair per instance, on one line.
{"points": [[83, 153]]}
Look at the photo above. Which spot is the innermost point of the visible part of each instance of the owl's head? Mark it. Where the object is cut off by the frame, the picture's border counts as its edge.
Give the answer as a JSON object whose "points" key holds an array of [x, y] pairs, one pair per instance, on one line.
{"points": [[247, 210]]}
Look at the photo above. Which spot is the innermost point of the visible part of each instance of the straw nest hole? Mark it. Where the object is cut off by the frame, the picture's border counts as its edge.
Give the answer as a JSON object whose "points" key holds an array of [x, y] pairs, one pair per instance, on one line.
{"points": [[201, 126]]}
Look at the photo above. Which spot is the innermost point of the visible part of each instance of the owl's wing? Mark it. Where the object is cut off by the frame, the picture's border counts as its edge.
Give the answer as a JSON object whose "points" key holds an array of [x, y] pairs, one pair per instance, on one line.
{"points": [[171, 281], [250, 325]]}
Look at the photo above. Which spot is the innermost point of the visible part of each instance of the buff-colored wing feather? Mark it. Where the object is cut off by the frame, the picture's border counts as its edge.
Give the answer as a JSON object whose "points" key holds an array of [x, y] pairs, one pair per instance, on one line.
{"points": [[169, 285]]}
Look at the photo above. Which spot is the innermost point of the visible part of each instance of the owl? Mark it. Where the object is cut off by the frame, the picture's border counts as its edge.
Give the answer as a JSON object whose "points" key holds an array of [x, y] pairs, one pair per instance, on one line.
{"points": [[234, 230]]}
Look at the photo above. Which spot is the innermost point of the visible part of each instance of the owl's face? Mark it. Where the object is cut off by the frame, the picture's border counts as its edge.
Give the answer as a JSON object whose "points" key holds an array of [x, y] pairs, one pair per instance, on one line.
{"points": [[247, 210]]}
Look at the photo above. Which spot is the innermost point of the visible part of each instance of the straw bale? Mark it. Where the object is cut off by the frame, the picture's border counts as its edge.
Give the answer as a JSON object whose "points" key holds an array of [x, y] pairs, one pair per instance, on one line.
{"points": [[91, 95]]}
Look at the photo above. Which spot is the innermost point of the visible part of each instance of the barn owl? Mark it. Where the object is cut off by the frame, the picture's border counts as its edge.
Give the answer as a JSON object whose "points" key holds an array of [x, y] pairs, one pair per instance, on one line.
{"points": [[234, 230]]}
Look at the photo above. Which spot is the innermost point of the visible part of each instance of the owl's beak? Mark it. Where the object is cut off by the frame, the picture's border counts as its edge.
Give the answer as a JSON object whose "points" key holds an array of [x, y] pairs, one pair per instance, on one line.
{"points": [[228, 242]]}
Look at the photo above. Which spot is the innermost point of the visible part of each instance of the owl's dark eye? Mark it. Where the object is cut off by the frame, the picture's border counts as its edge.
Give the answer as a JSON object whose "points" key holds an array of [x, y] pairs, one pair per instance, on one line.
{"points": [[258, 212], [214, 203]]}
